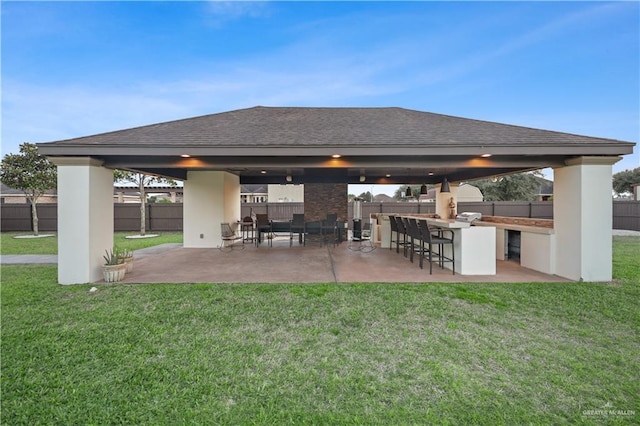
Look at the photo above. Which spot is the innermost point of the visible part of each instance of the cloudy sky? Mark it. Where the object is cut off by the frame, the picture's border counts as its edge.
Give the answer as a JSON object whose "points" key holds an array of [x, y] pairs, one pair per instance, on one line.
{"points": [[79, 68]]}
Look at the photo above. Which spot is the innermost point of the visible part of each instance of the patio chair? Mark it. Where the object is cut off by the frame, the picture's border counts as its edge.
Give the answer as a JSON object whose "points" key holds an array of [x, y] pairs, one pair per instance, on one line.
{"points": [[313, 232], [263, 224], [297, 227], [329, 231], [365, 243], [229, 237], [429, 241]]}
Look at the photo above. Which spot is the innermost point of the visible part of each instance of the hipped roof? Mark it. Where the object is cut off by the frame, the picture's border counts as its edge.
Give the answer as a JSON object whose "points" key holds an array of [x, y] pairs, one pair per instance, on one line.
{"points": [[405, 144]]}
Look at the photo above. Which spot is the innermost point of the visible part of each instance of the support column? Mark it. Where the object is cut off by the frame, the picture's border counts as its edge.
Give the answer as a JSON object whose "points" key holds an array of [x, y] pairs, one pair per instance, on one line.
{"points": [[210, 198], [443, 199], [321, 199], [85, 218], [582, 218]]}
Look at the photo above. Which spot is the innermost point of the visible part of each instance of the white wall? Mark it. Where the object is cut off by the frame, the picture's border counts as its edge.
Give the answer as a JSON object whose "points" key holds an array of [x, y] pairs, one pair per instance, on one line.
{"points": [[538, 252], [582, 217], [210, 198], [289, 193], [85, 219], [468, 193]]}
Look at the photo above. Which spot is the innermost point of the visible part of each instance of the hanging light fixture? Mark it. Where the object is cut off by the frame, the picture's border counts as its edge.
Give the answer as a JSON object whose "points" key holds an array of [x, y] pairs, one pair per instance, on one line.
{"points": [[423, 189], [444, 187], [409, 193]]}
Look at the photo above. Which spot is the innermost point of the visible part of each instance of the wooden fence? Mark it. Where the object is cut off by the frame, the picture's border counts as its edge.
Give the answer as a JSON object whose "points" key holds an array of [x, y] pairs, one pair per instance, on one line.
{"points": [[168, 217], [160, 217]]}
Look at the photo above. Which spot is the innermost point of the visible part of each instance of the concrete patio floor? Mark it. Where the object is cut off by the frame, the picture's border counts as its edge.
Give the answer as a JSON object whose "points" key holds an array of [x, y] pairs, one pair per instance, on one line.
{"points": [[313, 263]]}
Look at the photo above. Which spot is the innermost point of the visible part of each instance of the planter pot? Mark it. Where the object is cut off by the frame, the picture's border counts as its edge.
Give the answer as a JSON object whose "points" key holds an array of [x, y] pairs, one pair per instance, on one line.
{"points": [[114, 273], [128, 261]]}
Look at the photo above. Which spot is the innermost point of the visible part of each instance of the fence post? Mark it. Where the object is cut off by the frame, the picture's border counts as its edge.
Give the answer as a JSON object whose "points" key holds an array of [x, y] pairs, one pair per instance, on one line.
{"points": [[30, 216], [147, 220]]}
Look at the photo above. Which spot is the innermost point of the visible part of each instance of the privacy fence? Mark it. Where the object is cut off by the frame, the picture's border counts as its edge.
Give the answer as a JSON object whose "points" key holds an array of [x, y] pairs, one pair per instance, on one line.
{"points": [[168, 217]]}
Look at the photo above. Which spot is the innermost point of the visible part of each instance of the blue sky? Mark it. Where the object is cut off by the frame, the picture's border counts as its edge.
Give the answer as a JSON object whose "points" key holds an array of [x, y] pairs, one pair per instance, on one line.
{"points": [[79, 68]]}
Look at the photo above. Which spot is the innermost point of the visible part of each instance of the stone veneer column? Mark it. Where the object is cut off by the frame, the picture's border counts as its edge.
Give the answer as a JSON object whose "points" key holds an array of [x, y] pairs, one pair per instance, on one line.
{"points": [[323, 198], [582, 218], [85, 218]]}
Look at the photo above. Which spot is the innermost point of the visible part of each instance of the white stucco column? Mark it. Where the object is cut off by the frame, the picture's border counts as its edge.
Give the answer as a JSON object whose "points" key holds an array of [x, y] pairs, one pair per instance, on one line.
{"points": [[582, 218], [85, 218], [210, 198], [443, 198]]}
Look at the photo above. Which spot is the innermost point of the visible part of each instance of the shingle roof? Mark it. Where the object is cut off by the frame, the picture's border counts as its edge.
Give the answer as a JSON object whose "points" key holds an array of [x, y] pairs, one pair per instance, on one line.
{"points": [[295, 126], [290, 144]]}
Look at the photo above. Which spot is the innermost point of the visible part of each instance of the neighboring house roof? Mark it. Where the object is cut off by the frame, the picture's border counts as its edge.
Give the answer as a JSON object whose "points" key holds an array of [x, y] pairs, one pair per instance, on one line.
{"points": [[6, 190], [382, 198], [148, 189], [386, 145], [546, 187], [254, 189]]}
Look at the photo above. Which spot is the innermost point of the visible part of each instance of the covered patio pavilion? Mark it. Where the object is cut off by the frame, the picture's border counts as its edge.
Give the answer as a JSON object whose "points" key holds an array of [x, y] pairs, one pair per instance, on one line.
{"points": [[326, 149]]}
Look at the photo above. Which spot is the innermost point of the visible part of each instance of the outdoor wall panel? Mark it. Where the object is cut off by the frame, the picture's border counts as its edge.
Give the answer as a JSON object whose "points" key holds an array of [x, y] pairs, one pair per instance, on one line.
{"points": [[626, 215], [15, 217], [168, 217]]}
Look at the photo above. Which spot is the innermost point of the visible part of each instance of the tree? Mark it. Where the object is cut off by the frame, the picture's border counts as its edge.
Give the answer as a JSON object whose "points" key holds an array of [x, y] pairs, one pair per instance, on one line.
{"points": [[516, 187], [366, 196], [142, 180], [623, 181], [31, 173]]}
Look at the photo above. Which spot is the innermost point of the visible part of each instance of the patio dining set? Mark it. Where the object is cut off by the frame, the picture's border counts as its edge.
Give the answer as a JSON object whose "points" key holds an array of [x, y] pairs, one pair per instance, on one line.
{"points": [[260, 228]]}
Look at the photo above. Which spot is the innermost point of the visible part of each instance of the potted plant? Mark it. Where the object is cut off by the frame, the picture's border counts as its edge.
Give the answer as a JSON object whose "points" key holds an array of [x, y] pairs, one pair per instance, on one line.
{"points": [[113, 269], [126, 257]]}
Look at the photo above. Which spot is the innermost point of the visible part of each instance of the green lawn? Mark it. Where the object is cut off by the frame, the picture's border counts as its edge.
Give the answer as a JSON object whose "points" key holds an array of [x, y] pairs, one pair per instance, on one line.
{"points": [[323, 353], [49, 245]]}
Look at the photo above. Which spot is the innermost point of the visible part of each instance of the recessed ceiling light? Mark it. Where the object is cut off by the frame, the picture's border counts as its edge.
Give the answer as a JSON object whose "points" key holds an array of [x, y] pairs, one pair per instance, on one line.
{"points": [[264, 172], [485, 155], [185, 155], [431, 173], [387, 175], [336, 156]]}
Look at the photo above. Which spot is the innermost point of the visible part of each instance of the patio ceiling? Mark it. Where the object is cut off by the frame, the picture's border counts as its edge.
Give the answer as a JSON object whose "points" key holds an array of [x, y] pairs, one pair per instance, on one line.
{"points": [[380, 145]]}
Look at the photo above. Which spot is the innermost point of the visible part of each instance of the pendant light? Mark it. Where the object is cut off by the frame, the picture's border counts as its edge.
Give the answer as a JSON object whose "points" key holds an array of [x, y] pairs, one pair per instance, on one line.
{"points": [[409, 193], [445, 186]]}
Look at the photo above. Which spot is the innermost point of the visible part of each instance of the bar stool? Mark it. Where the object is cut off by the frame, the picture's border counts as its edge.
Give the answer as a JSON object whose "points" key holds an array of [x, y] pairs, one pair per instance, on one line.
{"points": [[394, 228], [416, 244], [431, 240], [402, 229]]}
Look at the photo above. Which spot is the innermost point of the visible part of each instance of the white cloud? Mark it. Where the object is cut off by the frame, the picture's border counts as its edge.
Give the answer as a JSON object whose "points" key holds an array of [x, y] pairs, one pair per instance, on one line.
{"points": [[220, 12], [38, 113]]}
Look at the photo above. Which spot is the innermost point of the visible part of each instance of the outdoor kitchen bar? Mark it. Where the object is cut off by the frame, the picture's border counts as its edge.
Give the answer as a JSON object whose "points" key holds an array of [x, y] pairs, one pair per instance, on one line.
{"points": [[474, 246]]}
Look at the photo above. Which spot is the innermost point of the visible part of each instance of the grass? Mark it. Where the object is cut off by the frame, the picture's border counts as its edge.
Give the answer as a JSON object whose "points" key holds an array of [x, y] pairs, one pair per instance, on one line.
{"points": [[49, 245], [323, 353]]}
